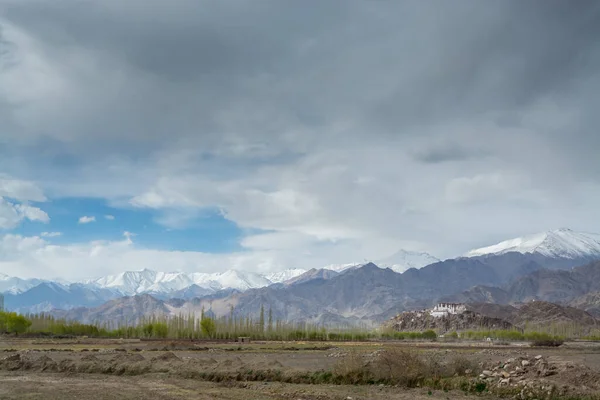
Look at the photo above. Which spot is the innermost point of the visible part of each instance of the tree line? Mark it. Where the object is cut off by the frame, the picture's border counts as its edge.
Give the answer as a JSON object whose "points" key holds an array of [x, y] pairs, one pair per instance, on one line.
{"points": [[11, 322], [230, 327]]}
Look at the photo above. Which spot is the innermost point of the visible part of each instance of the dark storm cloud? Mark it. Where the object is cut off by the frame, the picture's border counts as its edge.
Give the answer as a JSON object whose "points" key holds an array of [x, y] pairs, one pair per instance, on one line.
{"points": [[388, 65], [448, 153], [257, 99]]}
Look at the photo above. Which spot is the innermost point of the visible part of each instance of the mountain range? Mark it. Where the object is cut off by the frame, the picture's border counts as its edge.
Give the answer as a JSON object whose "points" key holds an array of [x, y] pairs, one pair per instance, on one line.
{"points": [[533, 267], [37, 295]]}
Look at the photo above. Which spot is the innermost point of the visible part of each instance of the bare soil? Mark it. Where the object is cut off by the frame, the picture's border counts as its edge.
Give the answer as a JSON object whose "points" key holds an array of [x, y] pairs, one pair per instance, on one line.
{"points": [[133, 369]]}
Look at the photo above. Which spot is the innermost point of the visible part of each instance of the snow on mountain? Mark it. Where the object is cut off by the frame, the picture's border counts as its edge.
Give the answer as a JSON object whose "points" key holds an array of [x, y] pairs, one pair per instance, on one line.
{"points": [[170, 282], [559, 243], [282, 276], [240, 280], [341, 267], [398, 262], [9, 284], [231, 279], [148, 281], [129, 282], [404, 260]]}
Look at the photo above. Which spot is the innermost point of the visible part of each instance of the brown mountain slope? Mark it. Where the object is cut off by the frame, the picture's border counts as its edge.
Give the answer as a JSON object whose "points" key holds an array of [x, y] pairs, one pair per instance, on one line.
{"points": [[125, 310], [589, 302], [554, 286], [541, 315], [544, 313]]}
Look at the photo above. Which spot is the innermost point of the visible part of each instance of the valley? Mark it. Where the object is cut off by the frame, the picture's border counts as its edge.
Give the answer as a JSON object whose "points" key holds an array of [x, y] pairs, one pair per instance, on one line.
{"points": [[183, 369]]}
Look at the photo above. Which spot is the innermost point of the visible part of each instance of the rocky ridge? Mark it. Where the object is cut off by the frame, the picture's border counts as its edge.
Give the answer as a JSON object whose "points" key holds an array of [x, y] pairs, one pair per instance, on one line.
{"points": [[421, 321]]}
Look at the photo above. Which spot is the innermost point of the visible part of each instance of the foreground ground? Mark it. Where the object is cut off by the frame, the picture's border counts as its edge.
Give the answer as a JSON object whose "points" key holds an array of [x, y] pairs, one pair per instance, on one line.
{"points": [[133, 369], [57, 386]]}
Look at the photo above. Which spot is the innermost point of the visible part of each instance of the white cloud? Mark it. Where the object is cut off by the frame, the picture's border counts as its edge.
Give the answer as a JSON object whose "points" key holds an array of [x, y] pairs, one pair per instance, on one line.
{"points": [[34, 257], [86, 220], [51, 234], [15, 210], [18, 247], [498, 186], [109, 217], [32, 213], [12, 214], [20, 190]]}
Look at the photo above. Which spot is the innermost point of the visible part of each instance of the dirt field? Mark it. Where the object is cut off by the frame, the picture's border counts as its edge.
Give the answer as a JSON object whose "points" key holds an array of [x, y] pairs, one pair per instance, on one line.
{"points": [[133, 369]]}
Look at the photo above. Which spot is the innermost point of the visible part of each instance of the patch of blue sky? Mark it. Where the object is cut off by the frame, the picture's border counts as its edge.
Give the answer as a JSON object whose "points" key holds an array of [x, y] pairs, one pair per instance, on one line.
{"points": [[205, 231]]}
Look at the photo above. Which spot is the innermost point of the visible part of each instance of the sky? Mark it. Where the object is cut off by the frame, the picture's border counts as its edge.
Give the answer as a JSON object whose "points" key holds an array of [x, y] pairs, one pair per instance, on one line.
{"points": [[261, 135]]}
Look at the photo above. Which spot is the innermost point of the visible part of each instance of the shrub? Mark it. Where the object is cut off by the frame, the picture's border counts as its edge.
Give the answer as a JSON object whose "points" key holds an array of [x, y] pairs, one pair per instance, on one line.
{"points": [[547, 342], [401, 367], [429, 335], [459, 365], [351, 369]]}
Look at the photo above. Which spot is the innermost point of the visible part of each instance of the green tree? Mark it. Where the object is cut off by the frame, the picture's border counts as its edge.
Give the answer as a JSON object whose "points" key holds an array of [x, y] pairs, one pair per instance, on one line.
{"points": [[3, 321], [16, 323], [270, 323], [160, 330], [208, 326], [261, 320]]}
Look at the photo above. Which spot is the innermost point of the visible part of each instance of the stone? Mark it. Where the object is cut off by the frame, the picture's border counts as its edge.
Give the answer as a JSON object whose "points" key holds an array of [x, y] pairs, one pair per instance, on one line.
{"points": [[468, 372], [525, 363], [505, 381], [505, 374], [538, 357], [486, 373]]}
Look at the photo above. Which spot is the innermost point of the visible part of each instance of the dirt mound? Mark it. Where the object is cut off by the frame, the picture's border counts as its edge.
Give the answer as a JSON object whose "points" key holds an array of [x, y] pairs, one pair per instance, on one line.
{"points": [[127, 358], [44, 363], [13, 363], [67, 366], [168, 356], [579, 376], [89, 358], [537, 376]]}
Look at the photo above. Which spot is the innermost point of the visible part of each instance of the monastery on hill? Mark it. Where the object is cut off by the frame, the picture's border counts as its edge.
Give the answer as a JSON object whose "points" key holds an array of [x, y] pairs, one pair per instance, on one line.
{"points": [[445, 309]]}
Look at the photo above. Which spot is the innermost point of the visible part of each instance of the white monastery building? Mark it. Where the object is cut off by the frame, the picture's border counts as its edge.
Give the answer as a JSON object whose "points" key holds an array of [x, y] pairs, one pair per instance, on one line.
{"points": [[445, 309]]}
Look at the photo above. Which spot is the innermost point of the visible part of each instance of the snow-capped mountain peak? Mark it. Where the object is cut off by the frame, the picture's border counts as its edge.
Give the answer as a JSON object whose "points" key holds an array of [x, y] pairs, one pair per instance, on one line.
{"points": [[404, 260], [282, 276], [242, 280], [560, 243], [129, 282], [13, 285], [342, 267]]}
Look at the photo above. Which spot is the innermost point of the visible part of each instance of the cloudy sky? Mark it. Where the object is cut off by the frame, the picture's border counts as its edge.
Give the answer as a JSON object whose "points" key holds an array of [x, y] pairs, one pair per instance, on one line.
{"points": [[202, 135]]}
